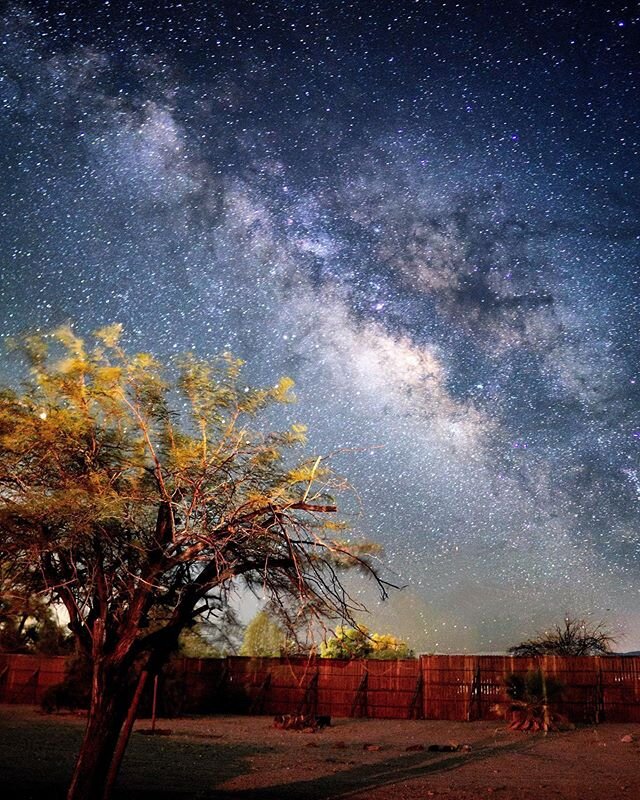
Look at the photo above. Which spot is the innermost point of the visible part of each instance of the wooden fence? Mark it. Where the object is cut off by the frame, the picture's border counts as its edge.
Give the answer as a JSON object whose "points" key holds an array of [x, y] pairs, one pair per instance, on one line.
{"points": [[24, 679], [430, 687]]}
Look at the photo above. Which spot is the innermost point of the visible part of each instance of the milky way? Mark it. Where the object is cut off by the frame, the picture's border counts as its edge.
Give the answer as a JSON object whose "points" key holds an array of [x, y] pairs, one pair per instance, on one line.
{"points": [[425, 213]]}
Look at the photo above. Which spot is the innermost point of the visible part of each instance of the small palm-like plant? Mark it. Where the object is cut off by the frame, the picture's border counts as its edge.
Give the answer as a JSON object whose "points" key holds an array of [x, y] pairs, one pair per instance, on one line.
{"points": [[532, 697]]}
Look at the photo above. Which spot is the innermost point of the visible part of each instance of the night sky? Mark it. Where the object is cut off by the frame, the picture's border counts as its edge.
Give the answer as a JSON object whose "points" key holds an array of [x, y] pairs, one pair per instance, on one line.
{"points": [[426, 213]]}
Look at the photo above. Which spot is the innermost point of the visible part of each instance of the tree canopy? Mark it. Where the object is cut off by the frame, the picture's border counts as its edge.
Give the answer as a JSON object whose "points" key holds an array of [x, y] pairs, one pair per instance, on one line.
{"points": [[28, 625], [359, 642], [138, 494], [264, 637], [574, 637]]}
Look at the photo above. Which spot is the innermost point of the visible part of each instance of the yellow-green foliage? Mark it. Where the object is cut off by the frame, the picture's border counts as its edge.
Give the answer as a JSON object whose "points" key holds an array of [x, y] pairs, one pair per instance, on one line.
{"points": [[359, 642], [90, 405], [264, 637], [99, 440], [139, 495]]}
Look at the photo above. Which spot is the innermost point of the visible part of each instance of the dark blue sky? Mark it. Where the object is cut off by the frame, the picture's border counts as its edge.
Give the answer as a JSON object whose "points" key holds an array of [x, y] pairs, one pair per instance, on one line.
{"points": [[426, 213]]}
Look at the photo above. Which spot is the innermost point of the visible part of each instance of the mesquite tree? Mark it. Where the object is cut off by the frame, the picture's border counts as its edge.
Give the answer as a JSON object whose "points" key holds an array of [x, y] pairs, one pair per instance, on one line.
{"points": [[139, 497], [575, 637]]}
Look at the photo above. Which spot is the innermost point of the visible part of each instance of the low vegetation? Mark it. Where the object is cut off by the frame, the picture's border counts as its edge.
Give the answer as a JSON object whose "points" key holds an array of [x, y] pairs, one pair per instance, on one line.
{"points": [[533, 696]]}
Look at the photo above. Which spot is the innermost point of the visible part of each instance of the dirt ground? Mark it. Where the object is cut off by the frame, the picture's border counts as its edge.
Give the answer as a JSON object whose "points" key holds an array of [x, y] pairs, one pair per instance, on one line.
{"points": [[226, 757]]}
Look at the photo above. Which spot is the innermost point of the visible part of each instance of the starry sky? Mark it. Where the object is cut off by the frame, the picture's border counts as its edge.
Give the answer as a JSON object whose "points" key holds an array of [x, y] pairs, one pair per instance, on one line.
{"points": [[426, 213]]}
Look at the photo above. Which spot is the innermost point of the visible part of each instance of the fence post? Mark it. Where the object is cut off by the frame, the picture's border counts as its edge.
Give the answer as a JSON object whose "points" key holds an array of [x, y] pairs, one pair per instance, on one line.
{"points": [[426, 689], [221, 684], [309, 703], [416, 706], [599, 695], [4, 673], [32, 683], [258, 704], [475, 705], [359, 707]]}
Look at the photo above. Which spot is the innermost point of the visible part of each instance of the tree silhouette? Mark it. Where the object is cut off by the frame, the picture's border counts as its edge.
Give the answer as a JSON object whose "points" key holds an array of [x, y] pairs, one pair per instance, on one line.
{"points": [[574, 637]]}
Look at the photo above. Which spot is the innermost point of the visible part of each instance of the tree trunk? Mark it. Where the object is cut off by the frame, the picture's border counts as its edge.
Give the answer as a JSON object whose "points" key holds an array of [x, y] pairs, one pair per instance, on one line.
{"points": [[124, 736], [115, 695], [110, 700]]}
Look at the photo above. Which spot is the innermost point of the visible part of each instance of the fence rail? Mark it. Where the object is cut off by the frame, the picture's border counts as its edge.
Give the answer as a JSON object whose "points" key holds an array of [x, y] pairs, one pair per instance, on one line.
{"points": [[444, 687]]}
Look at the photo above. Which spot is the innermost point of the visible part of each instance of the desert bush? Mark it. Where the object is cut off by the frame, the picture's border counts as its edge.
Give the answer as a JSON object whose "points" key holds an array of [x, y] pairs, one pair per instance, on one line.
{"points": [[74, 692], [533, 696]]}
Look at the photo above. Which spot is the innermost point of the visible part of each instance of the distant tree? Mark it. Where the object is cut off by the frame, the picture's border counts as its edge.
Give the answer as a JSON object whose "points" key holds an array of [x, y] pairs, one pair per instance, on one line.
{"points": [[574, 637], [51, 638], [138, 495], [225, 634], [28, 625], [358, 642], [264, 637], [193, 643], [212, 639], [387, 647]]}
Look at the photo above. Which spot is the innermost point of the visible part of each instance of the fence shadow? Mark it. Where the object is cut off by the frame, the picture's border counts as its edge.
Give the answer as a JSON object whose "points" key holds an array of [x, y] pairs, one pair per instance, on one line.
{"points": [[361, 777]]}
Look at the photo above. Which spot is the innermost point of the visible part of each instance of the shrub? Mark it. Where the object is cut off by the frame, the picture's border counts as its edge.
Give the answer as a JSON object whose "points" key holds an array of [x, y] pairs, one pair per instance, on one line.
{"points": [[74, 692], [532, 696]]}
